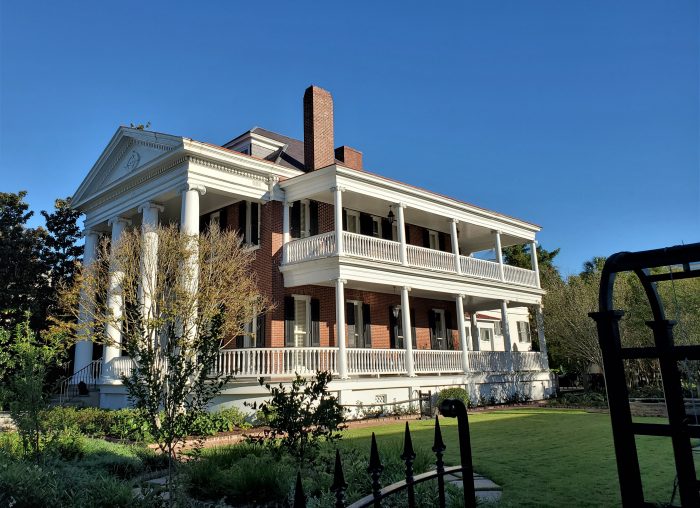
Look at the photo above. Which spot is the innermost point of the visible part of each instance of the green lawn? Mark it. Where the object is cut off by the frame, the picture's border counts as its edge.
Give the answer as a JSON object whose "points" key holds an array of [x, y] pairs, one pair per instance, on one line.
{"points": [[542, 457]]}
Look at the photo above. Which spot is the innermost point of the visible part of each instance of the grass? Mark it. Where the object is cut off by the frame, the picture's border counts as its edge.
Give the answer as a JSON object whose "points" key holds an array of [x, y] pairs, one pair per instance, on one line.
{"points": [[542, 457]]}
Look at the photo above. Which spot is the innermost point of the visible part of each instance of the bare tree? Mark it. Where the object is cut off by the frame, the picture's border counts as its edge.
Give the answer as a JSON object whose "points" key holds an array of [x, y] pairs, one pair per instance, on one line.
{"points": [[178, 298]]}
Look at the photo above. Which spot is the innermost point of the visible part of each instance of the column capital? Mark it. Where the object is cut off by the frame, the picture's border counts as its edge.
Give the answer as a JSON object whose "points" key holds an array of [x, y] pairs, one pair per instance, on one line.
{"points": [[191, 186], [342, 281], [453, 220], [337, 188], [288, 204], [150, 204], [407, 288], [118, 220], [400, 204], [90, 232], [460, 295], [496, 232]]}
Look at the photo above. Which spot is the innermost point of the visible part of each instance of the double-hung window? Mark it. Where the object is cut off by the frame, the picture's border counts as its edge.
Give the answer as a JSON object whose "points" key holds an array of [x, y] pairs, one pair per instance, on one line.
{"points": [[434, 240], [249, 222], [523, 331], [353, 221], [486, 335]]}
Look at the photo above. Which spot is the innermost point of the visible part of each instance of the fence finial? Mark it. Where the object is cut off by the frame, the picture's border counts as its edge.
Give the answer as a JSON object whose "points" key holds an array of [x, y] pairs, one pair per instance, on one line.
{"points": [[439, 448], [339, 485], [375, 469], [409, 455]]}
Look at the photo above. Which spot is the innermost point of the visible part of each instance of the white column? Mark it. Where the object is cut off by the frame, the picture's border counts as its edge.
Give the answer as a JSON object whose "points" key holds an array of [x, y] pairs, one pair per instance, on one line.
{"points": [[285, 230], [149, 259], [338, 214], [533, 260], [340, 330], [459, 300], [508, 345], [476, 340], [83, 349], [113, 331], [406, 325], [499, 253], [189, 211], [455, 246], [401, 230]]}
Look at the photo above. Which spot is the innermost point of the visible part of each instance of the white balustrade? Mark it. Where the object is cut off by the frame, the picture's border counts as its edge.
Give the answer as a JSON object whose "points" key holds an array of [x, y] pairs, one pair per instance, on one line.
{"points": [[437, 361], [432, 259], [376, 361], [529, 361], [475, 267], [313, 247], [256, 362], [489, 361], [520, 276], [118, 367], [376, 249]]}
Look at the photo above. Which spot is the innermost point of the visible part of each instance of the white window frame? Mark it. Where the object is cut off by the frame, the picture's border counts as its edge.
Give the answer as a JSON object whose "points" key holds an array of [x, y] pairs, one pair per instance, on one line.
{"points": [[356, 216], [359, 322], [215, 218], [442, 341], [305, 218], [249, 224], [377, 221], [307, 300], [434, 239], [486, 334], [498, 328], [526, 329]]}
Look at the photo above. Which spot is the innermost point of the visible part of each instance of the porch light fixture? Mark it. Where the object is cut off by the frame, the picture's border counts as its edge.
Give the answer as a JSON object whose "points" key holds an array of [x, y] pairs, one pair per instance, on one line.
{"points": [[391, 216]]}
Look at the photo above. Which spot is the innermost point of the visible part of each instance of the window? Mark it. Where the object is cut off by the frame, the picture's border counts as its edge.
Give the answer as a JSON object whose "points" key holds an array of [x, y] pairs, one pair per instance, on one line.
{"points": [[215, 218], [305, 218], [440, 329], [376, 226], [249, 222], [523, 331], [357, 318], [498, 328], [434, 240], [353, 221], [486, 334], [301, 321]]}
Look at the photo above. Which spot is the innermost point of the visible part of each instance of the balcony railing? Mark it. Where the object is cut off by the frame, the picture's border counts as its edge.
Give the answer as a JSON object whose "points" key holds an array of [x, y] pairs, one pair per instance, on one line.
{"points": [[286, 362], [387, 251]]}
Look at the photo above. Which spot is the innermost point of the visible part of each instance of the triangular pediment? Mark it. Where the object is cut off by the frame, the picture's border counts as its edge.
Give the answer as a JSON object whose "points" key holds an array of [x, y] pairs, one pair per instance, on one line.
{"points": [[129, 151]]}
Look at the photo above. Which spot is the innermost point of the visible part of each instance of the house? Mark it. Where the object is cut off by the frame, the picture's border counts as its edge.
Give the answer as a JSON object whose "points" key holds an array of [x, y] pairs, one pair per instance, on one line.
{"points": [[379, 281]]}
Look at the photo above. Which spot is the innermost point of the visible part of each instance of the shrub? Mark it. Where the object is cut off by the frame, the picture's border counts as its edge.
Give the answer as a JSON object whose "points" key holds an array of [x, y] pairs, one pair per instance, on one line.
{"points": [[129, 424], [453, 393]]}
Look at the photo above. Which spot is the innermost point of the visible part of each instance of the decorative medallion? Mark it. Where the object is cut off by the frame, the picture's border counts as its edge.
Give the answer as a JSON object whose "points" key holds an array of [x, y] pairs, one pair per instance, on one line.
{"points": [[133, 161]]}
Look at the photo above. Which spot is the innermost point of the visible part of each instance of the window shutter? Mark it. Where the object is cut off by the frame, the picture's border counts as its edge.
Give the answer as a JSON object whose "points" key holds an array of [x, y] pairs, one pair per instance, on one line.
{"points": [[393, 330], [345, 220], [315, 322], [450, 330], [289, 321], [254, 222], [426, 238], [386, 228], [204, 223], [223, 219], [367, 332], [295, 220], [365, 224], [350, 321], [313, 218], [433, 331], [242, 213], [260, 330], [407, 231], [442, 241], [413, 328]]}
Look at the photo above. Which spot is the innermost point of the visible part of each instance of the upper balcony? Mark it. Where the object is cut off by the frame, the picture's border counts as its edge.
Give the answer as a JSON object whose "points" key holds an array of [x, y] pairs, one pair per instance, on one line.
{"points": [[382, 234]]}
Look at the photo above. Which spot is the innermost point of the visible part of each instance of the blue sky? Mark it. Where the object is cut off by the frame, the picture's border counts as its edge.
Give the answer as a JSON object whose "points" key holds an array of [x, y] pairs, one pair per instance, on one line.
{"points": [[579, 116]]}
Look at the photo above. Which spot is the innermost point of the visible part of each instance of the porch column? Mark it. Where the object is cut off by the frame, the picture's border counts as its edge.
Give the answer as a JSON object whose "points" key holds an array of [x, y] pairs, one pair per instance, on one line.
{"points": [[533, 260], [285, 230], [506, 332], [338, 214], [455, 245], [189, 225], [539, 319], [83, 349], [459, 300], [401, 230], [406, 324], [475, 331], [340, 328], [149, 259], [113, 330], [499, 253]]}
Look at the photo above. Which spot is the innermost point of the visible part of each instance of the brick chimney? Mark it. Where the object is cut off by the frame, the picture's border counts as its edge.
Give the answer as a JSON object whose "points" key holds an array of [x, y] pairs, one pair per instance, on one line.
{"points": [[318, 128], [349, 157]]}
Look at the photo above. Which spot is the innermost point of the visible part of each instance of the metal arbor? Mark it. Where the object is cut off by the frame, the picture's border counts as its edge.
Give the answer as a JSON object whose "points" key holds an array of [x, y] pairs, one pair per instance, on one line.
{"points": [[668, 354]]}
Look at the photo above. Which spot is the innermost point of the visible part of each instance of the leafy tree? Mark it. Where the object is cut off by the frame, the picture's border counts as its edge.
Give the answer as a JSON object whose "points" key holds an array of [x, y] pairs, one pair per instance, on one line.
{"points": [[201, 291], [21, 270]]}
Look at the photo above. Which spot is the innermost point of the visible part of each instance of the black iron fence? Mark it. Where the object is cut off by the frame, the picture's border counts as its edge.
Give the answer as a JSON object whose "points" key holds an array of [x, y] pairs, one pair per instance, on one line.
{"points": [[450, 408]]}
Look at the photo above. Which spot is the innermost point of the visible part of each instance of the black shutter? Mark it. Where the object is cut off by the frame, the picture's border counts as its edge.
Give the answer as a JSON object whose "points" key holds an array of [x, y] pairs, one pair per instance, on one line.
{"points": [[289, 321], [315, 322], [365, 224], [426, 238], [442, 241], [450, 329], [413, 328], [260, 331], [313, 218], [350, 321], [254, 221], [407, 230], [242, 213], [433, 331], [386, 229], [295, 220], [367, 332], [223, 219], [204, 223], [393, 329], [345, 220]]}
